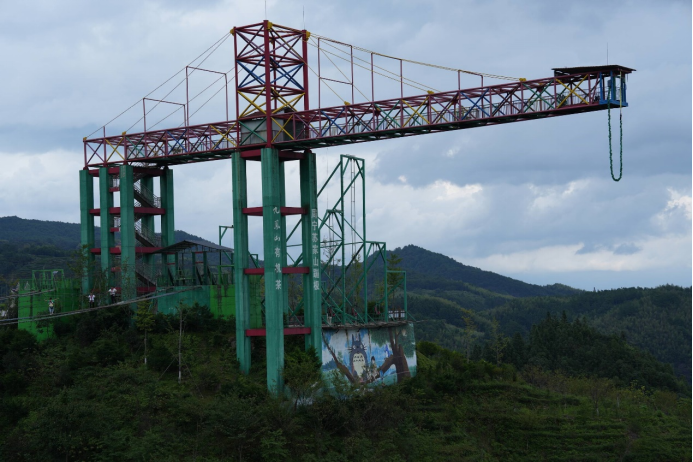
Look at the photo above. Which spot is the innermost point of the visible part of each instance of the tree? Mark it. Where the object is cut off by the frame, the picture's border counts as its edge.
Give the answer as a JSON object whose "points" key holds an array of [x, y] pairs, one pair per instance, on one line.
{"points": [[144, 321], [469, 329], [78, 264], [498, 341], [302, 373], [394, 279], [517, 351]]}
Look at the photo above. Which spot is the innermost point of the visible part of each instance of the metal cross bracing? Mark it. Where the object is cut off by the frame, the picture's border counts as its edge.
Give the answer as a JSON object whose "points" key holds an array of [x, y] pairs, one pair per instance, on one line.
{"points": [[351, 262], [271, 70]]}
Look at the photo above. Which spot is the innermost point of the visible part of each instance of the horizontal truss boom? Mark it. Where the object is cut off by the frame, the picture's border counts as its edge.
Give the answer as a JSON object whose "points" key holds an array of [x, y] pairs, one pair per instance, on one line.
{"points": [[591, 89]]}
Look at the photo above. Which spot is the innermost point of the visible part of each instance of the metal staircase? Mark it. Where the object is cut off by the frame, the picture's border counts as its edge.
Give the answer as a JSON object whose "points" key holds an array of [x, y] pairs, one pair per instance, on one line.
{"points": [[146, 196], [143, 274], [145, 236]]}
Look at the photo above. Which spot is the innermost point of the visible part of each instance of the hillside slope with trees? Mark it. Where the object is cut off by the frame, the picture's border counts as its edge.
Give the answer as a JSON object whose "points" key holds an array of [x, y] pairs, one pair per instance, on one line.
{"points": [[27, 245], [86, 394]]}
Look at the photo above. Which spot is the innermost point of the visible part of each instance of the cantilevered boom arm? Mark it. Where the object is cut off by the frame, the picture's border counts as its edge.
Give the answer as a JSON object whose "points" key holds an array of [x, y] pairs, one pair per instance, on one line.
{"points": [[569, 91]]}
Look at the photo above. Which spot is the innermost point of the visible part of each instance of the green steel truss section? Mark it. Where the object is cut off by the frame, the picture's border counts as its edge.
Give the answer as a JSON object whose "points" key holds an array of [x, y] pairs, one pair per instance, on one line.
{"points": [[357, 288]]}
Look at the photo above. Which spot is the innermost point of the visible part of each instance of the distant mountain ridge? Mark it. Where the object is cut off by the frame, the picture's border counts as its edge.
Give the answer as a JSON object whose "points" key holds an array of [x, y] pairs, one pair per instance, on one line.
{"points": [[431, 270], [425, 269], [65, 236], [27, 245]]}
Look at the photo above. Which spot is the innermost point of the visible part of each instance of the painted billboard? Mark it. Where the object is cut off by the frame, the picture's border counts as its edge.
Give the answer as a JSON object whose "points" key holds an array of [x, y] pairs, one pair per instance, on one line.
{"points": [[369, 356]]}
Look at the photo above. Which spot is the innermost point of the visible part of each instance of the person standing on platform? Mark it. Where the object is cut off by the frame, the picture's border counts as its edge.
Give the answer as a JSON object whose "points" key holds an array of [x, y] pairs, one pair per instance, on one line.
{"points": [[92, 299], [51, 306], [113, 292]]}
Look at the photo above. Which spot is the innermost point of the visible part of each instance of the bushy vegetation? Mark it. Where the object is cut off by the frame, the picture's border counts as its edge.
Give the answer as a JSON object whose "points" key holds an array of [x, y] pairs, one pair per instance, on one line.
{"points": [[654, 320], [87, 395]]}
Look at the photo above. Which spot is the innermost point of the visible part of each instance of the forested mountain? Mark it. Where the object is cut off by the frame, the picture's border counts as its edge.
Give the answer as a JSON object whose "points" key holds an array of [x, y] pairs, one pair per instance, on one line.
{"points": [[656, 320], [64, 236], [432, 271], [27, 245]]}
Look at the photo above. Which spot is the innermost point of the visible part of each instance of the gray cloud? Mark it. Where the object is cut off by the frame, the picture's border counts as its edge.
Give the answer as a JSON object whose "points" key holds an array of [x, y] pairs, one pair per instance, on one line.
{"points": [[532, 200]]}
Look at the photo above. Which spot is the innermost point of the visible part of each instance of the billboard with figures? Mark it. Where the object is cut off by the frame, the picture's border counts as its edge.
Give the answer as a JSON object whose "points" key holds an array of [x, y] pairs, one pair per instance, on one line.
{"points": [[369, 356]]}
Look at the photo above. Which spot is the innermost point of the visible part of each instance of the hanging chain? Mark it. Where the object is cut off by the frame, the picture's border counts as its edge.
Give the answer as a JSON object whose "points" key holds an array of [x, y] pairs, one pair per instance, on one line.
{"points": [[620, 120]]}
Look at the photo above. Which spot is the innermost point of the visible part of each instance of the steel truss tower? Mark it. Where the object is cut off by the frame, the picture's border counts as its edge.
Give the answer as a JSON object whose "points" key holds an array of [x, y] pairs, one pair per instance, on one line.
{"points": [[271, 79]]}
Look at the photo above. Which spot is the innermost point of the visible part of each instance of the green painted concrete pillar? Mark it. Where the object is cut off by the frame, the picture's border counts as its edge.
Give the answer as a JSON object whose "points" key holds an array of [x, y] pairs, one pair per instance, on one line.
{"points": [[167, 220], [147, 221], [310, 235], [240, 260], [86, 203], [274, 242], [107, 237], [128, 280], [282, 232]]}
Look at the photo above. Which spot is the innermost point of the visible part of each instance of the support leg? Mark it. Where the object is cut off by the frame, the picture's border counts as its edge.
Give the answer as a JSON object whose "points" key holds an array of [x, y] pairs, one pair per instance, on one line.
{"points": [[86, 203], [310, 234], [107, 238], [274, 242], [128, 279], [240, 261], [167, 221]]}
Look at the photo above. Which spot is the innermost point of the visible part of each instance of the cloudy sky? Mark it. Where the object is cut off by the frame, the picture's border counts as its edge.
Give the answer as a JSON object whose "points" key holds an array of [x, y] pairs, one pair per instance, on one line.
{"points": [[534, 200]]}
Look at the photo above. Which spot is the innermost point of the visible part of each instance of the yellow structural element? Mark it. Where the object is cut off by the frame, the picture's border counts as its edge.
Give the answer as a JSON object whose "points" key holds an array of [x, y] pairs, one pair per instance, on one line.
{"points": [[225, 136], [416, 112], [282, 128], [571, 91]]}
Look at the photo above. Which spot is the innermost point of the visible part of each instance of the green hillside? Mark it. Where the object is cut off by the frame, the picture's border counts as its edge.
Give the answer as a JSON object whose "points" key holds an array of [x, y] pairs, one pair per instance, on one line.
{"points": [[86, 395], [57, 233], [27, 245], [656, 320]]}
